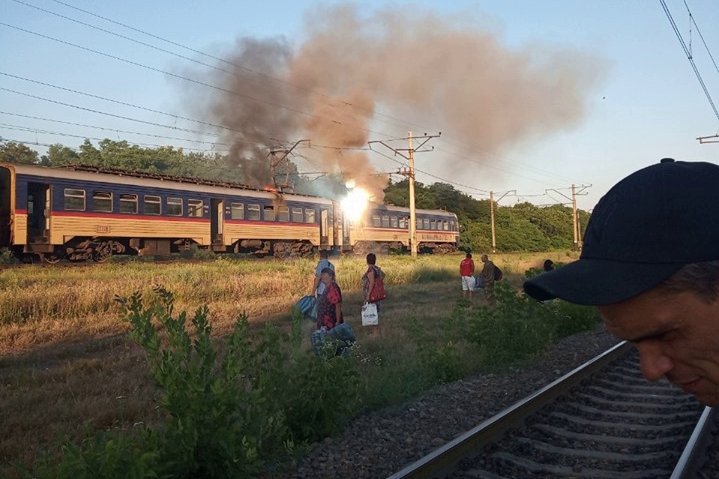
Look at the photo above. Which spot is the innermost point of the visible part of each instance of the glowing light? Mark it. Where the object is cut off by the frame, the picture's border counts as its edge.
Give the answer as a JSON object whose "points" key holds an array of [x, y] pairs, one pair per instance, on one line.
{"points": [[355, 204]]}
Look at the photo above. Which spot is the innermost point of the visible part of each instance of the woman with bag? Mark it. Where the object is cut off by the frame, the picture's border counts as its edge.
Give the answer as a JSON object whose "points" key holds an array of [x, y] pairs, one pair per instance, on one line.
{"points": [[373, 283]]}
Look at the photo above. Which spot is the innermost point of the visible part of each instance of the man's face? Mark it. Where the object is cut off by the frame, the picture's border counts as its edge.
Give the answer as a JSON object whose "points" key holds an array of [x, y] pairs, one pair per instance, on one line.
{"points": [[677, 336]]}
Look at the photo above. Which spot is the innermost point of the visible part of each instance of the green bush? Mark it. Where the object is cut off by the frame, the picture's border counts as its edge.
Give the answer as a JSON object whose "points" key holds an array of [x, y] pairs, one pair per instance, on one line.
{"points": [[519, 327], [234, 408]]}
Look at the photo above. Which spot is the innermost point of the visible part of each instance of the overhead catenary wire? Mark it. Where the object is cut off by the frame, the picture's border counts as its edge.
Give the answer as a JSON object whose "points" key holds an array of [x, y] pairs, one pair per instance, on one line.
{"points": [[691, 17], [114, 130], [70, 135], [222, 60], [192, 80], [689, 57], [215, 67], [274, 139]]}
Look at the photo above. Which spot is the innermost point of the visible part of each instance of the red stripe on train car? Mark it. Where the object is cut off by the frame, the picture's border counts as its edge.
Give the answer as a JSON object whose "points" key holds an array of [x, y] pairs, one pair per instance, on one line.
{"points": [[270, 223], [128, 216]]}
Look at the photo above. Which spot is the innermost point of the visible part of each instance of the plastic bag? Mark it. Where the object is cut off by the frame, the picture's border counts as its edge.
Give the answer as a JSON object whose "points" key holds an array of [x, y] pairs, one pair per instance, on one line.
{"points": [[369, 315], [307, 306]]}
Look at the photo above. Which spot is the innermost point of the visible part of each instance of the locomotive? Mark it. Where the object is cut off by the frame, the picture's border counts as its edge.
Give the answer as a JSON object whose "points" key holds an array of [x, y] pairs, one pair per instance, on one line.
{"points": [[81, 212]]}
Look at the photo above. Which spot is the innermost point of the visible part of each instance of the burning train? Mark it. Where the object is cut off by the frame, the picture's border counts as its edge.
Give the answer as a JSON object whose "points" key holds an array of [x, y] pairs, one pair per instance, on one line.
{"points": [[80, 213]]}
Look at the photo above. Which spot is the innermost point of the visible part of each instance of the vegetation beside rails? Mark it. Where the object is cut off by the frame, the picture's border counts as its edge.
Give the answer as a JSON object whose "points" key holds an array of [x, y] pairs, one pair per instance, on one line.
{"points": [[250, 401]]}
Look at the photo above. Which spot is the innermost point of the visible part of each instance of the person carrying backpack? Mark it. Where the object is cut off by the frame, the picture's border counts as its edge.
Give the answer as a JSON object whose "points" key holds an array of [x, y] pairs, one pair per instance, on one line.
{"points": [[488, 278]]}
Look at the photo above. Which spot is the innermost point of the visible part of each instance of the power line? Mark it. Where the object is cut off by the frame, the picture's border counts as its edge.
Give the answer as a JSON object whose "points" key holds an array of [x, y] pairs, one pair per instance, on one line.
{"points": [[690, 57], [131, 105], [114, 130], [242, 67], [191, 80], [691, 17], [99, 112], [57, 133]]}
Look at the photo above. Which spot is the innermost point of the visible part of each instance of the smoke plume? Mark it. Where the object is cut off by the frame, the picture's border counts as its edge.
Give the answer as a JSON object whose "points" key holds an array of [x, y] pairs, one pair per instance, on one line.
{"points": [[359, 77]]}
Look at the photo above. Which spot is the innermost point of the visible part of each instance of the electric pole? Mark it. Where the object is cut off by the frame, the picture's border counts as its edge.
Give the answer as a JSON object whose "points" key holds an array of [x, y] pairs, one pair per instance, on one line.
{"points": [[576, 232], [409, 173], [276, 161], [412, 209], [491, 214]]}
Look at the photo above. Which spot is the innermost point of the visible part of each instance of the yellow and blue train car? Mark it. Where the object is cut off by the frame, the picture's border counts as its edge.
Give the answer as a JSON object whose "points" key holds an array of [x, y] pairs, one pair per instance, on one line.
{"points": [[85, 213], [385, 228]]}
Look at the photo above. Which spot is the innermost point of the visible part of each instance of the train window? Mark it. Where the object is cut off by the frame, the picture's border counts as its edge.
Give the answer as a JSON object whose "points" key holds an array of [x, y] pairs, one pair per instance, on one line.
{"points": [[284, 213], [433, 224], [174, 206], [237, 211], [309, 216], [74, 199], [102, 202], [128, 204], [393, 221], [403, 222], [426, 223], [297, 215], [253, 212], [375, 221], [385, 221], [445, 226], [269, 213], [152, 205], [195, 209]]}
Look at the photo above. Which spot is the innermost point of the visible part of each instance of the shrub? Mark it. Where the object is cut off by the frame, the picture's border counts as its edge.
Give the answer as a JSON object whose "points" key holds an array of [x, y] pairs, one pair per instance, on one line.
{"points": [[519, 327], [233, 409]]}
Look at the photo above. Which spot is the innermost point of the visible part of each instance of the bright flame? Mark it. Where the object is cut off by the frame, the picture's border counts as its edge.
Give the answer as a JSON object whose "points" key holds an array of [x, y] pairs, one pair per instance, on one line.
{"points": [[355, 203]]}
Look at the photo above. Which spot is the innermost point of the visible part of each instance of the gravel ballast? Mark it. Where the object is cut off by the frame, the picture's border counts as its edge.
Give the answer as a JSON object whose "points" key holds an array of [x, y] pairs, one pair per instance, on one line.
{"points": [[380, 443]]}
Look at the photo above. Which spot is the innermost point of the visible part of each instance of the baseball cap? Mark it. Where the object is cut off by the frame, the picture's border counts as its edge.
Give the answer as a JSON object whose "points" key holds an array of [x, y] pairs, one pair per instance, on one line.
{"points": [[646, 228]]}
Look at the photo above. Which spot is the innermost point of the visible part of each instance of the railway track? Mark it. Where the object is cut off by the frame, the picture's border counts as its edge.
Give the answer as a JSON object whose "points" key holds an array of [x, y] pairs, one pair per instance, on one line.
{"points": [[600, 421]]}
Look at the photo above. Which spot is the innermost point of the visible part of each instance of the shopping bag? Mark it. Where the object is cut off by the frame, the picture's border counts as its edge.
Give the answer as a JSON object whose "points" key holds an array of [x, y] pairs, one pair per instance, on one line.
{"points": [[306, 305], [369, 315]]}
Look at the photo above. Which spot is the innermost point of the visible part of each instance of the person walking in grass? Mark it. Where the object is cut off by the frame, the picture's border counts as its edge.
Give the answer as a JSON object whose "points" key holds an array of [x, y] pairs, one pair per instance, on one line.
{"points": [[373, 288], [318, 286], [466, 271], [488, 280]]}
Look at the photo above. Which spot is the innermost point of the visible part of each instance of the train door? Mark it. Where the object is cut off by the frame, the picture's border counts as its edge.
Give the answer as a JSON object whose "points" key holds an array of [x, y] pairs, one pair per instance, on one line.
{"points": [[38, 212], [217, 221], [6, 213], [324, 227], [346, 232]]}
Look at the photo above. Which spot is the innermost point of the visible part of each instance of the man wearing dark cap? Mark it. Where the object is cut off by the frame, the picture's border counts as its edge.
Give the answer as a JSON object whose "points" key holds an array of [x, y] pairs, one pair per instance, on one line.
{"points": [[650, 264]]}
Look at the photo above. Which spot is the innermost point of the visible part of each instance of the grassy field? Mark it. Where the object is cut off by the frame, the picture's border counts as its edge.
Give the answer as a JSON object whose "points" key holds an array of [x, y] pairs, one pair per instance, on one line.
{"points": [[67, 366]]}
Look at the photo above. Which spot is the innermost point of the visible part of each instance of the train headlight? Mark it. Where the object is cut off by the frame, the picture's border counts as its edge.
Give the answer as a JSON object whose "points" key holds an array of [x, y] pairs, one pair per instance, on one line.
{"points": [[355, 204]]}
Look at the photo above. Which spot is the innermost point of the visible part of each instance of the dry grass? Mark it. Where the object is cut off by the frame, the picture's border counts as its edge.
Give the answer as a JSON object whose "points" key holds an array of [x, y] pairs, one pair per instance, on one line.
{"points": [[66, 364]]}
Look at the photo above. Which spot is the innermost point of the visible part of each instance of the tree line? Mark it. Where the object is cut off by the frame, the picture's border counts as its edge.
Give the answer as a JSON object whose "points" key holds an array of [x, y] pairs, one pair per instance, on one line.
{"points": [[521, 227]]}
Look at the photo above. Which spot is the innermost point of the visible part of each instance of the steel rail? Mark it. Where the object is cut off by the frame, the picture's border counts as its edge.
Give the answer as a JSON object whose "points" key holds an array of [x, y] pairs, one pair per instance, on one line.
{"points": [[442, 461], [688, 463]]}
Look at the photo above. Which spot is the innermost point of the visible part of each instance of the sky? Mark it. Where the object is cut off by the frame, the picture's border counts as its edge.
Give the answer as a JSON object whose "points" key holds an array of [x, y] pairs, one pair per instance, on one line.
{"points": [[530, 97]]}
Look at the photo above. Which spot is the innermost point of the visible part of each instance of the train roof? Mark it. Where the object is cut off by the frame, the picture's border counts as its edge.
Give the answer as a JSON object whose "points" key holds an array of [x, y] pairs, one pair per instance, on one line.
{"points": [[404, 209], [131, 178]]}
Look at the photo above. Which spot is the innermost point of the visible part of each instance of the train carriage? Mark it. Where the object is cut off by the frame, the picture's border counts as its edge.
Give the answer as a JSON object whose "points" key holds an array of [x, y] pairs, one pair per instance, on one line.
{"points": [[57, 212], [82, 213], [385, 228]]}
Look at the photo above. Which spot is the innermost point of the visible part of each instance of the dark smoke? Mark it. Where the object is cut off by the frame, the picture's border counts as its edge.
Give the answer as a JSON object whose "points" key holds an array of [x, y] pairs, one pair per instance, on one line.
{"points": [[418, 67]]}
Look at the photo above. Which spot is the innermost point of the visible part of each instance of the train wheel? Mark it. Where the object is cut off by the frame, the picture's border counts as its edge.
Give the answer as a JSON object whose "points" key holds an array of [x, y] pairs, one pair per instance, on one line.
{"points": [[100, 255], [50, 258]]}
